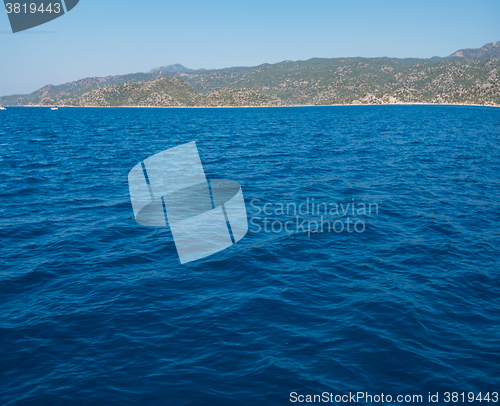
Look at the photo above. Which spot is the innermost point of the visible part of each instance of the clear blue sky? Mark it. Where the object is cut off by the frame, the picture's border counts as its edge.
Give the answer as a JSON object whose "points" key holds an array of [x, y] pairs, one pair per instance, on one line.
{"points": [[109, 37]]}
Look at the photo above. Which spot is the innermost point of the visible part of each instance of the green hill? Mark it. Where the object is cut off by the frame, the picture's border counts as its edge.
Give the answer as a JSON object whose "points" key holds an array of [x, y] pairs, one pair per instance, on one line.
{"points": [[163, 92], [318, 81]]}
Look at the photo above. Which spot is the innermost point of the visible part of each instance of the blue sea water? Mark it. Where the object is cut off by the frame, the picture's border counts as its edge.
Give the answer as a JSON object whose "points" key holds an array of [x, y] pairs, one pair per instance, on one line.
{"points": [[96, 309]]}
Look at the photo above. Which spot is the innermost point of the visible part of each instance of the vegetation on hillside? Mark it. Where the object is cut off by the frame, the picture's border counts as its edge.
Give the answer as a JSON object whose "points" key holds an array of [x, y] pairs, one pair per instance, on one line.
{"points": [[164, 92], [313, 82]]}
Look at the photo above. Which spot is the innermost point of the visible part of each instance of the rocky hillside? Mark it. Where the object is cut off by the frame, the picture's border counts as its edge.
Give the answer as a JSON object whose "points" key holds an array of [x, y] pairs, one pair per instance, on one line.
{"points": [[77, 88], [489, 51], [164, 92], [462, 78], [358, 80]]}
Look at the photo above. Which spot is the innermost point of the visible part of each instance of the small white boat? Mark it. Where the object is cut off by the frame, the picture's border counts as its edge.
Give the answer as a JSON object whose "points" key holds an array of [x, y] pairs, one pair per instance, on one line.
{"points": [[2, 108], [54, 108]]}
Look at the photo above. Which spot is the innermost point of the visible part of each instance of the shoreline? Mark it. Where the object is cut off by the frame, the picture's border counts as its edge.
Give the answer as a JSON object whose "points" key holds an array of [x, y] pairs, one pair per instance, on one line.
{"points": [[248, 107]]}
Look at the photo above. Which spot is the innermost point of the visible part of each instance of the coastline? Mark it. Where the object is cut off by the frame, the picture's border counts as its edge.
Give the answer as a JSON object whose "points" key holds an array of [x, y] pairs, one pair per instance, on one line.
{"points": [[247, 107]]}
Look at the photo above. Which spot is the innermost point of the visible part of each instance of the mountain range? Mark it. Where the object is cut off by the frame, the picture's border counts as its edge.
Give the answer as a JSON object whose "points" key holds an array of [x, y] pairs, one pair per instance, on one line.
{"points": [[468, 76]]}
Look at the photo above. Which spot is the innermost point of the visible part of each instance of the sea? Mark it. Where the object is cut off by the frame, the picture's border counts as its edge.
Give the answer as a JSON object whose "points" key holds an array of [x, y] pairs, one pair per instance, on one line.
{"points": [[370, 266]]}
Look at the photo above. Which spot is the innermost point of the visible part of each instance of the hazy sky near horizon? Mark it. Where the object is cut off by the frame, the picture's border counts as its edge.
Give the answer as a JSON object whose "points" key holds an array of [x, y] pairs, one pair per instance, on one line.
{"points": [[111, 37]]}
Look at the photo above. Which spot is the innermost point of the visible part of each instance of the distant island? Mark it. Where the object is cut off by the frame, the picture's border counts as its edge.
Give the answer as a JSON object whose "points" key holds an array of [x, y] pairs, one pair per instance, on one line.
{"points": [[468, 76]]}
